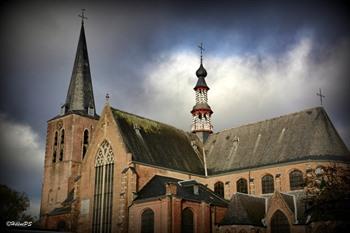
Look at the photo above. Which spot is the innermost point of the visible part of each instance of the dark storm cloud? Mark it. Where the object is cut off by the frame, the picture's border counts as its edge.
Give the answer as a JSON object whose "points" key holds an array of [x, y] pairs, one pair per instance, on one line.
{"points": [[38, 43]]}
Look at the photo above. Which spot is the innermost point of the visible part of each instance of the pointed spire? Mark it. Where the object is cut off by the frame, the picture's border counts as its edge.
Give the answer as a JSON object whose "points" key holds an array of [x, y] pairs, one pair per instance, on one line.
{"points": [[80, 97]]}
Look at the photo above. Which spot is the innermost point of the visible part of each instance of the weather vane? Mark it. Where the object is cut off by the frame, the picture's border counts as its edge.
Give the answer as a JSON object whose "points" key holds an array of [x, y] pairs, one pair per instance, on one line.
{"points": [[202, 49], [82, 16], [321, 96]]}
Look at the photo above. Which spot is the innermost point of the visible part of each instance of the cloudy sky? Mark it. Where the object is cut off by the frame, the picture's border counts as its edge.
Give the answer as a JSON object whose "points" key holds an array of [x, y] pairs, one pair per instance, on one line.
{"points": [[264, 59]]}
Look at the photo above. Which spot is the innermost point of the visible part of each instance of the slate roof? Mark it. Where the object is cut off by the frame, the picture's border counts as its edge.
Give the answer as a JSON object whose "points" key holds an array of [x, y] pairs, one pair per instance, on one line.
{"points": [[80, 94], [244, 209], [158, 144], [308, 134], [60, 210], [156, 188]]}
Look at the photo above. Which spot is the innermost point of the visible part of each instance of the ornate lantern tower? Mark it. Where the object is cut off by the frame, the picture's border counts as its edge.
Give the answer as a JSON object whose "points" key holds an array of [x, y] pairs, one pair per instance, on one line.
{"points": [[201, 112]]}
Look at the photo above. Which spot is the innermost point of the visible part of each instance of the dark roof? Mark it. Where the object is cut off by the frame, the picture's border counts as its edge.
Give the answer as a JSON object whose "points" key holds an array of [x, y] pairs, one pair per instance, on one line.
{"points": [[80, 94], [185, 190], [158, 144], [201, 106], [60, 210], [201, 72], [308, 134], [245, 209]]}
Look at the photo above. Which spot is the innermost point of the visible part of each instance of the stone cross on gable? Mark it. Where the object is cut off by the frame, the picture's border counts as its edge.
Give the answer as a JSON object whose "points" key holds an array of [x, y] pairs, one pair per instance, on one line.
{"points": [[321, 96]]}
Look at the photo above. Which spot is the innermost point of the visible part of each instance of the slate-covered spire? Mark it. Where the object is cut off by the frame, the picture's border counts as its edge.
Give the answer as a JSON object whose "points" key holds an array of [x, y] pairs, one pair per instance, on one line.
{"points": [[80, 97]]}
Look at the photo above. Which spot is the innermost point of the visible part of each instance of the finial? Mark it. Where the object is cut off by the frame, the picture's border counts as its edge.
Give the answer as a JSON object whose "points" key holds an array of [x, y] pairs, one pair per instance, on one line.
{"points": [[82, 16], [321, 96], [107, 97], [202, 49]]}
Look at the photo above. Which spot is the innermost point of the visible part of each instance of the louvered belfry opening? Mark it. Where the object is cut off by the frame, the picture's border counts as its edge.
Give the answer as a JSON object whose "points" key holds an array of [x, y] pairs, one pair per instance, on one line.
{"points": [[103, 196]]}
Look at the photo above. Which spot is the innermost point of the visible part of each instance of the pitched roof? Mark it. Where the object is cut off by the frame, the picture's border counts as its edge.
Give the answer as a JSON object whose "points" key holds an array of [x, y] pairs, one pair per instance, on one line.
{"points": [[80, 94], [185, 190], [245, 209], [158, 144], [299, 136]]}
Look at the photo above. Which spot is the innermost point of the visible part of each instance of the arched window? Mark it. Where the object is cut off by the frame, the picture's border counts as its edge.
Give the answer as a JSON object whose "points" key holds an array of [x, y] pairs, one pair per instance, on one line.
{"points": [[187, 225], [147, 221], [267, 184], [62, 136], [219, 189], [242, 186], [54, 156], [296, 180], [103, 195], [85, 141], [61, 154], [279, 223], [55, 139]]}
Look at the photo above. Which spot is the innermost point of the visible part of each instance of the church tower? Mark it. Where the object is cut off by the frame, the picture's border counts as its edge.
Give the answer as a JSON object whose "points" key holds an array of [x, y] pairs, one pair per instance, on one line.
{"points": [[201, 112], [68, 137]]}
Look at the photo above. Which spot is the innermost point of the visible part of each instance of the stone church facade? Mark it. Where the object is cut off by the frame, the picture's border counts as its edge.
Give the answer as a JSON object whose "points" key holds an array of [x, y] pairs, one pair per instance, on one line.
{"points": [[119, 172]]}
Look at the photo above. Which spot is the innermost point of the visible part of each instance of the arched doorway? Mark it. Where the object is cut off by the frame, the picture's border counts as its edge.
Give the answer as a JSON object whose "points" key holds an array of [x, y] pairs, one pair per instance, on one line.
{"points": [[279, 223], [147, 221], [187, 225]]}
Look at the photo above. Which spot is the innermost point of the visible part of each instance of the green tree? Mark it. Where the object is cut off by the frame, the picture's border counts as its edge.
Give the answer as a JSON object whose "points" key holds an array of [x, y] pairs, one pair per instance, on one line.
{"points": [[328, 193], [13, 205]]}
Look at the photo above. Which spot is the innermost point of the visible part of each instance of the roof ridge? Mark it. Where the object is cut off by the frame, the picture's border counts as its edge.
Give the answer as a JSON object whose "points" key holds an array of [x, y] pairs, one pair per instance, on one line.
{"points": [[273, 118], [148, 119]]}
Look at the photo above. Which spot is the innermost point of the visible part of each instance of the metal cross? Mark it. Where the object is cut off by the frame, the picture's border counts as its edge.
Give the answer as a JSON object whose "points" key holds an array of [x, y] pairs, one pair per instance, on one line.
{"points": [[202, 49], [321, 96], [82, 16]]}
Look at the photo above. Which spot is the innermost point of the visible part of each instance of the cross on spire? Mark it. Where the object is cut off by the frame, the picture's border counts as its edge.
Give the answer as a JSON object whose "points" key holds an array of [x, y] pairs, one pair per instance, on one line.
{"points": [[202, 49], [320, 95], [82, 16]]}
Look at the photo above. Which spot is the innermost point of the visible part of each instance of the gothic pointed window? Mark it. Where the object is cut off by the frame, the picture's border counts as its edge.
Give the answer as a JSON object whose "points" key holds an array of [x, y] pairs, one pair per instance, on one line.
{"points": [[279, 223], [242, 186], [61, 154], [147, 221], [219, 189], [103, 194], [55, 139], [62, 136], [55, 143], [85, 141], [296, 180], [267, 184], [54, 156], [187, 225]]}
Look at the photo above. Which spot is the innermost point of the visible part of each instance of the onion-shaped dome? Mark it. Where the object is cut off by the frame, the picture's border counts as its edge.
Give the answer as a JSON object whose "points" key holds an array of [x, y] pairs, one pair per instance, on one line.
{"points": [[201, 72]]}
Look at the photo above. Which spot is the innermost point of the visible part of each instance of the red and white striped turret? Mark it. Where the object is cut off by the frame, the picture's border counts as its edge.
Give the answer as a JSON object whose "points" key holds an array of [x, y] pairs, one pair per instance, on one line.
{"points": [[201, 112]]}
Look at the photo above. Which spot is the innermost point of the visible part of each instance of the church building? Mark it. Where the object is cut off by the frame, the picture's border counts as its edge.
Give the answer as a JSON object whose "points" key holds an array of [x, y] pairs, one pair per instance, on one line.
{"points": [[119, 172]]}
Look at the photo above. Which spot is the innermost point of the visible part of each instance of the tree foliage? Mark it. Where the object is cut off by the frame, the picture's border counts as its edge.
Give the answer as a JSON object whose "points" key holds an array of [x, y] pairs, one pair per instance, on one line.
{"points": [[328, 192], [13, 205]]}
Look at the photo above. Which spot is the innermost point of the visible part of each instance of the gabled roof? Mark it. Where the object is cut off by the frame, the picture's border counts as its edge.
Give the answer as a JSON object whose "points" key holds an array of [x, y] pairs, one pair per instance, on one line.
{"points": [[308, 134], [185, 190], [245, 209], [80, 95], [158, 144]]}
